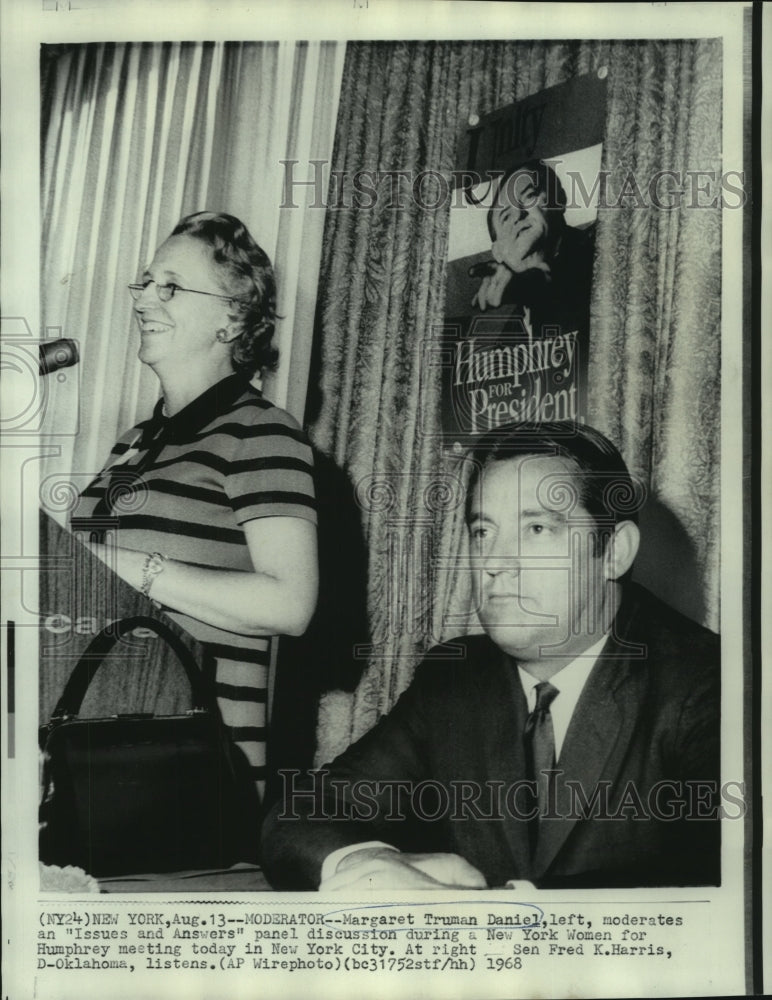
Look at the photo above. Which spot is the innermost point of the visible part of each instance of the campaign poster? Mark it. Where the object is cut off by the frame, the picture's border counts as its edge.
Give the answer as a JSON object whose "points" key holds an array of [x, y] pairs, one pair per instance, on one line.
{"points": [[520, 261]]}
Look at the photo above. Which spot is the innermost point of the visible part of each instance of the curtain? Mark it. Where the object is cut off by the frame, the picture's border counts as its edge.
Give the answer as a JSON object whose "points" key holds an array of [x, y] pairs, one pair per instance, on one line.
{"points": [[134, 136], [654, 360], [655, 363]]}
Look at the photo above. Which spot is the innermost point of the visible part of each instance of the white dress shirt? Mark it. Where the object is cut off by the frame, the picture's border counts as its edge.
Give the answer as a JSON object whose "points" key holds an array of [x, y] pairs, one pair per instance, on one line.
{"points": [[569, 681]]}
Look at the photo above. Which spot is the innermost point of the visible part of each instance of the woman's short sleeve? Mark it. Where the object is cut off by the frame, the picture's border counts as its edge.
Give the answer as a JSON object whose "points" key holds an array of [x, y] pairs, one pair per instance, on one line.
{"points": [[271, 472]]}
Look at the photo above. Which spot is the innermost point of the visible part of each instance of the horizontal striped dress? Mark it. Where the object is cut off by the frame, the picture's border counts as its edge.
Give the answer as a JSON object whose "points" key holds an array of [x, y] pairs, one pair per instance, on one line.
{"points": [[184, 486]]}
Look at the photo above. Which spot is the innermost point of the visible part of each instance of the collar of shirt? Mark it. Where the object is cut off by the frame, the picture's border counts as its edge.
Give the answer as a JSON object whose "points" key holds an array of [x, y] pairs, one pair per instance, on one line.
{"points": [[569, 681], [197, 414]]}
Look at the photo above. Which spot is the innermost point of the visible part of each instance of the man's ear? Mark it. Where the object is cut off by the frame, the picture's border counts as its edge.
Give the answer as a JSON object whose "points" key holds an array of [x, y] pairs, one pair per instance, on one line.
{"points": [[621, 550]]}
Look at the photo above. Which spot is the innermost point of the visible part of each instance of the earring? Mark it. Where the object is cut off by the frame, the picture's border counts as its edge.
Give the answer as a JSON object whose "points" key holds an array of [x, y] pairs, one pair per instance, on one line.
{"points": [[222, 336]]}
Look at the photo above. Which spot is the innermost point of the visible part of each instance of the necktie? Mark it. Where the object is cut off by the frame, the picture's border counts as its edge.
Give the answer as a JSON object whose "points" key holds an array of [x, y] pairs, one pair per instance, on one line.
{"points": [[539, 741]]}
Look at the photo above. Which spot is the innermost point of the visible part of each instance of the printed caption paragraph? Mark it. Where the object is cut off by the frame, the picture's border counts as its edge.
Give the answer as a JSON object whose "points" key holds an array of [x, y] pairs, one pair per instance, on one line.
{"points": [[461, 937]]}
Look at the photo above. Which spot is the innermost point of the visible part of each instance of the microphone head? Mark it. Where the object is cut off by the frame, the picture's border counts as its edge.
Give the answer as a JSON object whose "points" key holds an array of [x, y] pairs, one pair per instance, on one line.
{"points": [[56, 354]]}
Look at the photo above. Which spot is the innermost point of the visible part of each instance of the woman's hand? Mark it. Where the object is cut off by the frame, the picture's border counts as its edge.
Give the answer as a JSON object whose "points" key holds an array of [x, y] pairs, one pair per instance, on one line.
{"points": [[278, 598]]}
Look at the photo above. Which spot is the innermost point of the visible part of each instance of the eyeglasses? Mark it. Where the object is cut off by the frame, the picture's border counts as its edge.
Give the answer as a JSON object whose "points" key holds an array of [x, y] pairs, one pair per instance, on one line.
{"points": [[167, 292]]}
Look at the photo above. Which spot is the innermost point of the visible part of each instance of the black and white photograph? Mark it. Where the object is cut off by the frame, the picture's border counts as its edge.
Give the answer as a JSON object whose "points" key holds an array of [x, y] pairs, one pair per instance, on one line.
{"points": [[381, 576]]}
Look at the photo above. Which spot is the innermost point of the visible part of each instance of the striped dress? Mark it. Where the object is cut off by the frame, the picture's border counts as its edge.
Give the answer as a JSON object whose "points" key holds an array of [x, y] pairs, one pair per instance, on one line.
{"points": [[184, 486]]}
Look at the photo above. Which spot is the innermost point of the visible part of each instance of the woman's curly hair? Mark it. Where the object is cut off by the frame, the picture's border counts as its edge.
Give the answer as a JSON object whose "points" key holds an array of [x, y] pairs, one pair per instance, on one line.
{"points": [[249, 278]]}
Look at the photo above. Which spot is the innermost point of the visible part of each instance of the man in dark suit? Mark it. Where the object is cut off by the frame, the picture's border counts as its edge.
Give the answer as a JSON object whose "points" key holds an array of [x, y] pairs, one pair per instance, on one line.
{"points": [[575, 743]]}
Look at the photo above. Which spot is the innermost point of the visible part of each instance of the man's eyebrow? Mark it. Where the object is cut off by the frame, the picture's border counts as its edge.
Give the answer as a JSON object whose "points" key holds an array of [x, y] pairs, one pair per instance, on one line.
{"points": [[521, 200], [524, 189], [543, 513], [478, 515]]}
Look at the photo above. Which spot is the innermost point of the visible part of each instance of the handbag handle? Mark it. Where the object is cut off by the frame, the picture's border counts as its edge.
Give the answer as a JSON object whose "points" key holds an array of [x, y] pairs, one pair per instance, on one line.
{"points": [[94, 654]]}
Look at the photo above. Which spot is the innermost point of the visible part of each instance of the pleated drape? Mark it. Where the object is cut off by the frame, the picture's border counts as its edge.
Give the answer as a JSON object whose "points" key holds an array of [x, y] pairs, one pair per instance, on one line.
{"points": [[655, 358], [134, 136], [655, 363]]}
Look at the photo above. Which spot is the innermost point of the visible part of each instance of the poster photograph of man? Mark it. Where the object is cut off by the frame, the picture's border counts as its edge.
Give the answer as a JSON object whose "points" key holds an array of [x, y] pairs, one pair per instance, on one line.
{"points": [[380, 489]]}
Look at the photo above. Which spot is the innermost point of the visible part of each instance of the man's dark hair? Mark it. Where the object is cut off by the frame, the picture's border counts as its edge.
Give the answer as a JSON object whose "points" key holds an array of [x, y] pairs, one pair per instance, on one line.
{"points": [[544, 180], [603, 485]]}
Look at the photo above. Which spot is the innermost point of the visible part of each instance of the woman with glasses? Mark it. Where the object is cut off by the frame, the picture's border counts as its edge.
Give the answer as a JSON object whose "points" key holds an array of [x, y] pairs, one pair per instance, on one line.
{"points": [[213, 495]]}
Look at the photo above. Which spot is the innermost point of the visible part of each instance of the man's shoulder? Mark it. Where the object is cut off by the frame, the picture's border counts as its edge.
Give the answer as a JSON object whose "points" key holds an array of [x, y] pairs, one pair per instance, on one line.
{"points": [[646, 610], [578, 240], [674, 644]]}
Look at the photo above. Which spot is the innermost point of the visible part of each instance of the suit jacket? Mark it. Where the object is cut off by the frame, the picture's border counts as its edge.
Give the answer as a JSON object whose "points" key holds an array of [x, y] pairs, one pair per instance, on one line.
{"points": [[561, 299], [643, 739]]}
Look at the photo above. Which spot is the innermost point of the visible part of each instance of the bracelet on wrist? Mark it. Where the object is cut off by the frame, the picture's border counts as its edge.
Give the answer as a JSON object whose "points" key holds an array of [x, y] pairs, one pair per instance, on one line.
{"points": [[153, 565]]}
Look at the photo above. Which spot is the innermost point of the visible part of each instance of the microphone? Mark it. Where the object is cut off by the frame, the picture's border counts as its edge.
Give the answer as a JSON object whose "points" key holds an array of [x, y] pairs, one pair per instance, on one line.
{"points": [[56, 354]]}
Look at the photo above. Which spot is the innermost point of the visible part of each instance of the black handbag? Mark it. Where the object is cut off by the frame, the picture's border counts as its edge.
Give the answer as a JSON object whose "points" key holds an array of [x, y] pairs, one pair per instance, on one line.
{"points": [[139, 793]]}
